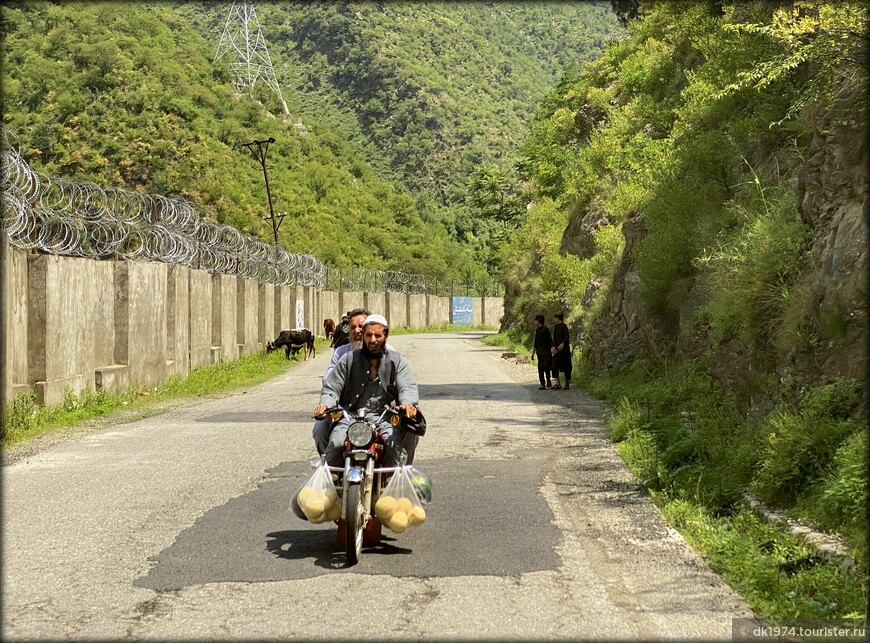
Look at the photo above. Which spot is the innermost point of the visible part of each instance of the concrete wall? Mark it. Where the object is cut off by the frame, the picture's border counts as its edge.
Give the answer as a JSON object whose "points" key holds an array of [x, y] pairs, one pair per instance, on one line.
{"points": [[493, 311], [285, 304], [247, 315], [146, 327], [376, 302], [329, 307], [13, 301], [348, 300], [66, 299], [418, 311], [223, 318], [439, 310], [89, 325], [200, 316], [265, 313], [396, 309], [177, 320]]}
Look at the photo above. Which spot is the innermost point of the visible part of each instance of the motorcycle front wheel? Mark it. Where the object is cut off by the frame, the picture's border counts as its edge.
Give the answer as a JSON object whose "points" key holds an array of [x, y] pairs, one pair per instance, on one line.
{"points": [[354, 524]]}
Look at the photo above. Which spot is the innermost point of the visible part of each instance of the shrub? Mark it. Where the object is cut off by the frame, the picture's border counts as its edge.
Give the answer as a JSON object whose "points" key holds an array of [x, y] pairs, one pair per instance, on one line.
{"points": [[800, 444], [628, 416], [751, 268], [845, 488]]}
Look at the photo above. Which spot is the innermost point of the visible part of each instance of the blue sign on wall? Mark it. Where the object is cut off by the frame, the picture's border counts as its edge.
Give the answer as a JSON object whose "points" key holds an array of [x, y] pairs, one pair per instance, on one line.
{"points": [[463, 311]]}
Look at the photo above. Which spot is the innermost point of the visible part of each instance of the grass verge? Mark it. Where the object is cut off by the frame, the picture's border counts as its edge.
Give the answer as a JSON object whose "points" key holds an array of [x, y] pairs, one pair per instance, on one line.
{"points": [[440, 328], [503, 340], [690, 444]]}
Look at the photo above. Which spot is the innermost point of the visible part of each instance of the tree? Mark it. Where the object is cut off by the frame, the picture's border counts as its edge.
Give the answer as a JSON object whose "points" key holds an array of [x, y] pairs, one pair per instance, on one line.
{"points": [[496, 197]]}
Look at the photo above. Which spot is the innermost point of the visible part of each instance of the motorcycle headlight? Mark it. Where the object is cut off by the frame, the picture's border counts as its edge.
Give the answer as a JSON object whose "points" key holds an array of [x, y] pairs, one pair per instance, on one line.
{"points": [[359, 434]]}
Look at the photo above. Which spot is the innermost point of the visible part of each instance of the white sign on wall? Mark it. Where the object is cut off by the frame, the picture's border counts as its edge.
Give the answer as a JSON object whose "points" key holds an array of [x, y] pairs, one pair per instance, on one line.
{"points": [[300, 313]]}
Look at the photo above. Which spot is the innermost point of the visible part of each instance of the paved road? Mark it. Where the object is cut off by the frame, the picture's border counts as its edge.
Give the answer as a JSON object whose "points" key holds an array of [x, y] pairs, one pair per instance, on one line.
{"points": [[177, 526]]}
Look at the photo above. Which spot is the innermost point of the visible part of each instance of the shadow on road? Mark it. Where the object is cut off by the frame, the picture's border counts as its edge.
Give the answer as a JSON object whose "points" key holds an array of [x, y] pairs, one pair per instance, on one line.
{"points": [[302, 544]]}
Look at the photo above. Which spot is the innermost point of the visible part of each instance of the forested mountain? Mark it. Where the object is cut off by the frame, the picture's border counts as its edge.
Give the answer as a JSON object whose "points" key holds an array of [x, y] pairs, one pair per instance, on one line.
{"points": [[433, 90], [393, 105]]}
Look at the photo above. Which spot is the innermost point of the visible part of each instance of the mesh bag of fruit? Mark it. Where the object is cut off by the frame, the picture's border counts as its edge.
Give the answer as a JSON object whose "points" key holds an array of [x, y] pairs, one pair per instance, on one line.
{"points": [[318, 498], [399, 505]]}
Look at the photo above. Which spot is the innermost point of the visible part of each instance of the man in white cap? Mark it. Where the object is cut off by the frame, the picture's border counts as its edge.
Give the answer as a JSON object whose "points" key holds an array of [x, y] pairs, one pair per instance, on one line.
{"points": [[356, 319], [372, 376]]}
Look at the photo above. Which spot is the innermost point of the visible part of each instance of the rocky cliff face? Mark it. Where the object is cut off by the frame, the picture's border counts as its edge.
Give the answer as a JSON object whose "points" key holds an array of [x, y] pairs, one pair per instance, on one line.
{"points": [[833, 192]]}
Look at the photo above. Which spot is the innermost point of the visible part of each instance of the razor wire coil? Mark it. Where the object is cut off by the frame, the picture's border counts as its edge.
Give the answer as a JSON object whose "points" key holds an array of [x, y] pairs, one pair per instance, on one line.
{"points": [[80, 218]]}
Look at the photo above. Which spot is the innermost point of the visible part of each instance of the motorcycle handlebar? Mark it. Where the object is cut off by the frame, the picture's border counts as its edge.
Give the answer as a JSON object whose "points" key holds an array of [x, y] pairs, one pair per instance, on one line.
{"points": [[387, 410]]}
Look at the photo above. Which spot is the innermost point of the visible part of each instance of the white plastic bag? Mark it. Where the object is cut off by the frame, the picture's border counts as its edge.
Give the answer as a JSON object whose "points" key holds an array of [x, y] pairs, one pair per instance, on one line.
{"points": [[399, 506], [317, 500]]}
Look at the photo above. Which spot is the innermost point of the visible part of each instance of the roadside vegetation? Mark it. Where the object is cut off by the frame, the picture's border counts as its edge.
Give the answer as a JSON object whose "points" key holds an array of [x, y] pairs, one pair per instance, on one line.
{"points": [[442, 328], [668, 217], [692, 448], [507, 342]]}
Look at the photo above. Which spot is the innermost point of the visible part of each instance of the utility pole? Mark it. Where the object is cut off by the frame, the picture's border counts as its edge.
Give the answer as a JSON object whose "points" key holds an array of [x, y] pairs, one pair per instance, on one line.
{"points": [[260, 155]]}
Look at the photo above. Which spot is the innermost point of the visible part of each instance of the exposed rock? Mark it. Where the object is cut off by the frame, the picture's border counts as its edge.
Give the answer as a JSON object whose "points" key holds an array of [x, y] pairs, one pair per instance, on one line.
{"points": [[832, 191], [579, 235]]}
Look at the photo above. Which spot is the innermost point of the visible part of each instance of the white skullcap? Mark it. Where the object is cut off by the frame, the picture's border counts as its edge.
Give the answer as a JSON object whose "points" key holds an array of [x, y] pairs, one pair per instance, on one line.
{"points": [[376, 319]]}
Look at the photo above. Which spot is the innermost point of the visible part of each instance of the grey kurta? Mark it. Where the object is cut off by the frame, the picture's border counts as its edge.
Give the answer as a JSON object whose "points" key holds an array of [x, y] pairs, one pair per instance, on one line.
{"points": [[348, 384]]}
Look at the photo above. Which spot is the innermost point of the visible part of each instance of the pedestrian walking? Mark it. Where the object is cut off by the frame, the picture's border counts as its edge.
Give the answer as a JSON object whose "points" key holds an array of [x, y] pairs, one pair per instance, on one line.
{"points": [[542, 347], [561, 351]]}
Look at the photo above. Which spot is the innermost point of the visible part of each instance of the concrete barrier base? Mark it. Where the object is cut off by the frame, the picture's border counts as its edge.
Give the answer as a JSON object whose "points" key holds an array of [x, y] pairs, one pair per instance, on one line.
{"points": [[112, 379], [51, 393]]}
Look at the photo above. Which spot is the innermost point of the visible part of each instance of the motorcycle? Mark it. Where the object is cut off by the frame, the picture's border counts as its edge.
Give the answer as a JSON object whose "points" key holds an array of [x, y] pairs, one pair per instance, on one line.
{"points": [[363, 476]]}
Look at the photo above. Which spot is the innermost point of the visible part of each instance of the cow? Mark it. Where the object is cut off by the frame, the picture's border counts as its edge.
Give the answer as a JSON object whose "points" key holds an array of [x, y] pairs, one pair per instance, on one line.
{"points": [[329, 327], [293, 341]]}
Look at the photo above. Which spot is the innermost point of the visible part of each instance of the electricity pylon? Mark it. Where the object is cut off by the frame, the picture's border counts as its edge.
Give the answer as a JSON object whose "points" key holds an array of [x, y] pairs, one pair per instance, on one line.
{"points": [[242, 35]]}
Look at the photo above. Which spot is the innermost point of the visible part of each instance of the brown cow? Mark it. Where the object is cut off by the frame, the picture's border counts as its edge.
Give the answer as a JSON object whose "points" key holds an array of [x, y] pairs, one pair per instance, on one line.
{"points": [[329, 327]]}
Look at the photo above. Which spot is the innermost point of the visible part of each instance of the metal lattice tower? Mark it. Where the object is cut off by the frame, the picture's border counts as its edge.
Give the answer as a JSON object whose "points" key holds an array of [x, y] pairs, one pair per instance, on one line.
{"points": [[242, 35]]}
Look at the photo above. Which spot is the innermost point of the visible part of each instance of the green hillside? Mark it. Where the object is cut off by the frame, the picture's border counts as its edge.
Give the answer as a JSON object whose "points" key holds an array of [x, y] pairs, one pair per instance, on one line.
{"points": [[126, 94], [698, 210], [432, 90]]}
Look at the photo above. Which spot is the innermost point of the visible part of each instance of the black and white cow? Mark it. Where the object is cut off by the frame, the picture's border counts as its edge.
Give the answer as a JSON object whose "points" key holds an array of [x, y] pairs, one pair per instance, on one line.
{"points": [[293, 341]]}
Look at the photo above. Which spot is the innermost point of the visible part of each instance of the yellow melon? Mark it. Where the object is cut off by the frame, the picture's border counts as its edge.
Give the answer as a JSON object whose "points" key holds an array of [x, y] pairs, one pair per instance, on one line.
{"points": [[398, 522], [316, 519], [312, 501], [331, 498], [403, 504], [416, 516], [384, 508], [334, 512]]}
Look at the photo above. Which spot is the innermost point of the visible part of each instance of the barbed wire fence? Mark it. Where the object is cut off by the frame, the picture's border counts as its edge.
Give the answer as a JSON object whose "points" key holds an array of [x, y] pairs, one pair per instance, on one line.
{"points": [[83, 219]]}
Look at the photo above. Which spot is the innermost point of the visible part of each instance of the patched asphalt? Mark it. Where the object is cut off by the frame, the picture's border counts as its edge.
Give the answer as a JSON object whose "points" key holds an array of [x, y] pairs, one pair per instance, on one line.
{"points": [[487, 518]]}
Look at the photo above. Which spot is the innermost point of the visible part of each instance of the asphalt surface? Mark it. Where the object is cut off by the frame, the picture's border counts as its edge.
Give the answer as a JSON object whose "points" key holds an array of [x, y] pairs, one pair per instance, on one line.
{"points": [[177, 526]]}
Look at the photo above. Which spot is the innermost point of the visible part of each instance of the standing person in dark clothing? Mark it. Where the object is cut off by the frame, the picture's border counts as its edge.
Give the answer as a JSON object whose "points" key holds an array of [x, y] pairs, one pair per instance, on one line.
{"points": [[543, 344], [561, 351]]}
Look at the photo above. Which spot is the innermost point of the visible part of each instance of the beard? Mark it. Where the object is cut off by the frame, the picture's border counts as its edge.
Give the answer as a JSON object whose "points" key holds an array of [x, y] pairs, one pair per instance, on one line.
{"points": [[356, 345], [377, 352]]}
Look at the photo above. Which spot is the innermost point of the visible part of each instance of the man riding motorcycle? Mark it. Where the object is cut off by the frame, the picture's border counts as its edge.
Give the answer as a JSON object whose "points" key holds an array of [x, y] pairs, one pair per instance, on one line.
{"points": [[371, 377]]}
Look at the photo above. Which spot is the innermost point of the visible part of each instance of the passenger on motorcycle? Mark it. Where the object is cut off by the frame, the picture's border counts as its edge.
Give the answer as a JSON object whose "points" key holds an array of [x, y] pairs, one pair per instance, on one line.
{"points": [[371, 377]]}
